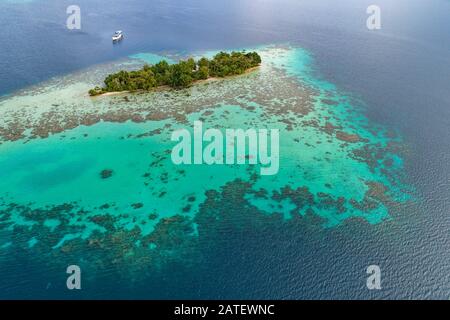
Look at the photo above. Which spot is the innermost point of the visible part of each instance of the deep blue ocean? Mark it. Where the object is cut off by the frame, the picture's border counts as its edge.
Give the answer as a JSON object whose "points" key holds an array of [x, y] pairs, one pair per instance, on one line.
{"points": [[401, 72]]}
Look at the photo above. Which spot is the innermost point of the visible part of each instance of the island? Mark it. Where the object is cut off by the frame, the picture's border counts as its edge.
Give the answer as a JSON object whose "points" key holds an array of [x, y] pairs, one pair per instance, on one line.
{"points": [[179, 75]]}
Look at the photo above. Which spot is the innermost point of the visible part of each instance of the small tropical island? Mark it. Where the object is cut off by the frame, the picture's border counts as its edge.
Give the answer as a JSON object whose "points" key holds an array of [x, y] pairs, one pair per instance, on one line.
{"points": [[180, 75]]}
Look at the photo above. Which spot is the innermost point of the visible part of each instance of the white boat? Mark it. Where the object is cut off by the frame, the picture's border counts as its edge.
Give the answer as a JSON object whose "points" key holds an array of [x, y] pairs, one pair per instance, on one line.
{"points": [[118, 35]]}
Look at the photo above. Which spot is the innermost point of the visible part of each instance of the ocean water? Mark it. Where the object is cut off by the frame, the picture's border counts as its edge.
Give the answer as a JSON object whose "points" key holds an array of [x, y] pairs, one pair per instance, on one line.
{"points": [[363, 179]]}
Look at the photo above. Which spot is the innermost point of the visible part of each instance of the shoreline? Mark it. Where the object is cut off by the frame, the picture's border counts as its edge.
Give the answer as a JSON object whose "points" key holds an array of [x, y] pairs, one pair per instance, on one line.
{"points": [[168, 88]]}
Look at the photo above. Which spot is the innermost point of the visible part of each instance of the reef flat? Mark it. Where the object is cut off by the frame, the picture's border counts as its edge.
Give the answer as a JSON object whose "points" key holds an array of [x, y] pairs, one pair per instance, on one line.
{"points": [[93, 178]]}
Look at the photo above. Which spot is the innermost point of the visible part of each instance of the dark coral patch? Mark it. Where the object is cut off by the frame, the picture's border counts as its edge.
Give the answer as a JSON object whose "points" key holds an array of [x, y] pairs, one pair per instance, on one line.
{"points": [[106, 174], [137, 205]]}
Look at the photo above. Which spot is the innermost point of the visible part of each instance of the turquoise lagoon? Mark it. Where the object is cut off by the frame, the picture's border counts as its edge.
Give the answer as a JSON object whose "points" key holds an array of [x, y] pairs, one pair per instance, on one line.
{"points": [[335, 165]]}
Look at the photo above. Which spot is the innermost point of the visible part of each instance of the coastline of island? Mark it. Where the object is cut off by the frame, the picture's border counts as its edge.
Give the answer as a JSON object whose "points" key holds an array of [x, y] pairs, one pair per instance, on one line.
{"points": [[164, 76], [167, 87]]}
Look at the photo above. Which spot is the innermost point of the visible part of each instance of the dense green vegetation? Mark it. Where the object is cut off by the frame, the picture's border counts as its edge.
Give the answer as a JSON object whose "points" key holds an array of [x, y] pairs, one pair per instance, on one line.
{"points": [[180, 75]]}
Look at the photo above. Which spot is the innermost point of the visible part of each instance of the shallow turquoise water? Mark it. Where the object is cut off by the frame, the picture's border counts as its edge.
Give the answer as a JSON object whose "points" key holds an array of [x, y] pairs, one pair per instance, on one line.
{"points": [[91, 181], [65, 168]]}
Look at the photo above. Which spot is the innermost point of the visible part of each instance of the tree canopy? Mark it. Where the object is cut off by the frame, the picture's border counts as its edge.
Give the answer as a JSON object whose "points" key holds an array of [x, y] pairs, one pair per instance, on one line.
{"points": [[179, 75]]}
